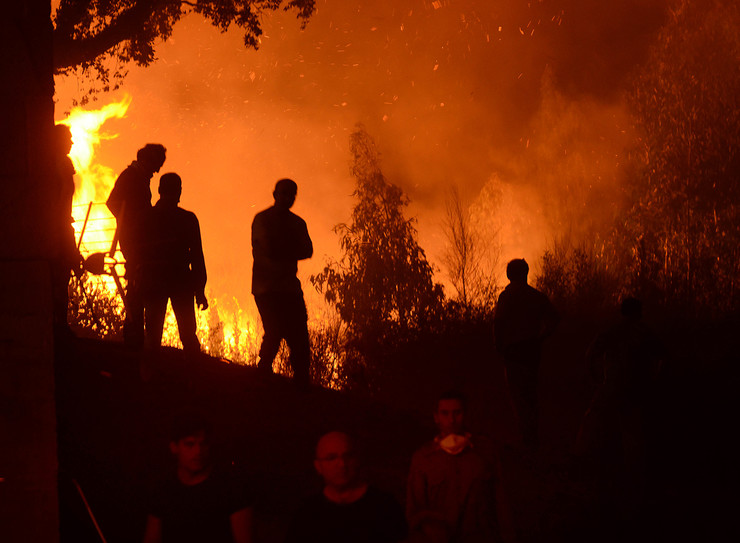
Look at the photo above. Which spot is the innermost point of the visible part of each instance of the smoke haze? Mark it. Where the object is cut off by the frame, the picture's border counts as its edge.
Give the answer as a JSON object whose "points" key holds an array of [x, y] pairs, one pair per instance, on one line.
{"points": [[525, 98]]}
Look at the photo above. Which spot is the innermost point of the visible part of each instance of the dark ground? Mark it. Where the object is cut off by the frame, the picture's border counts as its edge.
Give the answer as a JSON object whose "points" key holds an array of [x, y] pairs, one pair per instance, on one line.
{"points": [[113, 437]]}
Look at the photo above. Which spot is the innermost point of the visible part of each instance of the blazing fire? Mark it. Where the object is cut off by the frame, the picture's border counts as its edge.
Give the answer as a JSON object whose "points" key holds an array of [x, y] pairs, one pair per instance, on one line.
{"points": [[224, 330]]}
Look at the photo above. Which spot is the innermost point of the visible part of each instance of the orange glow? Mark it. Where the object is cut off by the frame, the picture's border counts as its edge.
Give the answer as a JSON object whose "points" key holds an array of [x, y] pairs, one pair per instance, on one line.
{"points": [[224, 330], [93, 181]]}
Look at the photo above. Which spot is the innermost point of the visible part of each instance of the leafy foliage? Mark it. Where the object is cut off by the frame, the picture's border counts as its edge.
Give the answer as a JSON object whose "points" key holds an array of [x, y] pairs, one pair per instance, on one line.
{"points": [[94, 309], [383, 282], [684, 226], [581, 280], [100, 37]]}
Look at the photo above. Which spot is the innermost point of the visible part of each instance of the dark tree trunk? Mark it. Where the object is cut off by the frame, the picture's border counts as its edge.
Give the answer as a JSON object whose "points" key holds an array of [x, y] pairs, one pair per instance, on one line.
{"points": [[28, 454]]}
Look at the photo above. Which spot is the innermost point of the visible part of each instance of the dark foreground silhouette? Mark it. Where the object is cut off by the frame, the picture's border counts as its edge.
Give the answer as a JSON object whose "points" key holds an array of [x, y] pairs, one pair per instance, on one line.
{"points": [[196, 501], [347, 508], [279, 240], [113, 437], [67, 257], [524, 319], [173, 267], [130, 202]]}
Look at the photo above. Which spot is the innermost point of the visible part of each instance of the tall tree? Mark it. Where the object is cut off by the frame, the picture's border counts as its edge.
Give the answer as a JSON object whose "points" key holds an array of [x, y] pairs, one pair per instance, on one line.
{"points": [[686, 219], [383, 280], [89, 33]]}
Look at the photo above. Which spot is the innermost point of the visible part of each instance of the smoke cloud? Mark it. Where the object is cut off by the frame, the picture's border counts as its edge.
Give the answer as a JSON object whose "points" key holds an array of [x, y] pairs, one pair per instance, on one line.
{"points": [[524, 97]]}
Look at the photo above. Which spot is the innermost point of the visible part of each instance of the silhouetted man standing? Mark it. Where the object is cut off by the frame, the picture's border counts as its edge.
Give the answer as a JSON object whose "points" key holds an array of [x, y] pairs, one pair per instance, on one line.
{"points": [[174, 267], [279, 240], [130, 201], [454, 494], [625, 360], [524, 319], [348, 509]]}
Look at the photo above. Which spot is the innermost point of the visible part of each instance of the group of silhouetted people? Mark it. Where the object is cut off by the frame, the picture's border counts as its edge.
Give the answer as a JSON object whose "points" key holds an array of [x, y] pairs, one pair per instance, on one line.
{"points": [[163, 251], [454, 492], [164, 260]]}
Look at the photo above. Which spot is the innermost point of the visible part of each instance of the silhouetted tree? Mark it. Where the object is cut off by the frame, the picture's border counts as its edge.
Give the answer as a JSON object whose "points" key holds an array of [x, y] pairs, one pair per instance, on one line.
{"points": [[685, 222], [463, 257], [88, 33], [383, 281]]}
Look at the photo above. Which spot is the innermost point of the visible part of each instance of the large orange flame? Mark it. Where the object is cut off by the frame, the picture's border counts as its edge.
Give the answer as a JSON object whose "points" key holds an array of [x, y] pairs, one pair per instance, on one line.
{"points": [[224, 329]]}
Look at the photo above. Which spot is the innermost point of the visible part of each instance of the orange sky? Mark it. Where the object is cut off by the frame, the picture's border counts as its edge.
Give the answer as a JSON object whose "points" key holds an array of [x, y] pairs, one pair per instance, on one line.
{"points": [[454, 92]]}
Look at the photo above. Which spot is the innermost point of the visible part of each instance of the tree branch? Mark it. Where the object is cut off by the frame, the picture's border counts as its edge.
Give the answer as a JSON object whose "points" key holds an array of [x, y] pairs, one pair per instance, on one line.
{"points": [[69, 52]]}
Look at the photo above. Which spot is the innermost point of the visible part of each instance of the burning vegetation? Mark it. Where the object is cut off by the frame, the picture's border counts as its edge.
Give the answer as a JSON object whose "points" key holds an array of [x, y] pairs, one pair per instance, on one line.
{"points": [[97, 303], [631, 191]]}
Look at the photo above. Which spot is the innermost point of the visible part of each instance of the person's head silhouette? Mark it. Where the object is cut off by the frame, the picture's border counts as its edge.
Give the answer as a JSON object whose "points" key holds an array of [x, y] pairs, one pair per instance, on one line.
{"points": [[517, 270], [190, 445], [151, 157], [449, 414], [285, 193], [170, 187], [62, 139]]}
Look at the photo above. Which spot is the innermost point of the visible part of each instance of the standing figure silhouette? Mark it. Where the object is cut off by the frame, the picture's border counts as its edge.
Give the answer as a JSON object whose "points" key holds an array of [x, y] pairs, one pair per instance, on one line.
{"points": [[279, 240]]}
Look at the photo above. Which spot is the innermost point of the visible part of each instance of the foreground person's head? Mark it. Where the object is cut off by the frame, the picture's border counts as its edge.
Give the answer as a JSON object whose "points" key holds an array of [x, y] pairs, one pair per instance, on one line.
{"points": [[190, 444], [336, 461]]}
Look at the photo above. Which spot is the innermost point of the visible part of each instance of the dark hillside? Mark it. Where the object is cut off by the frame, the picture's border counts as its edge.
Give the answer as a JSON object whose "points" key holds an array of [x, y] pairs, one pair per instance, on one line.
{"points": [[113, 434], [114, 428]]}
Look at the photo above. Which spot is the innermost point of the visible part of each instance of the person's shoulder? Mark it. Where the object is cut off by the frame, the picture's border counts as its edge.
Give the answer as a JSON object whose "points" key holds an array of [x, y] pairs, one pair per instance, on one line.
{"points": [[536, 294], [309, 519], [264, 214], [185, 214], [129, 171], [233, 486], [506, 293], [296, 218], [160, 493], [427, 451], [485, 447], [428, 448], [312, 506]]}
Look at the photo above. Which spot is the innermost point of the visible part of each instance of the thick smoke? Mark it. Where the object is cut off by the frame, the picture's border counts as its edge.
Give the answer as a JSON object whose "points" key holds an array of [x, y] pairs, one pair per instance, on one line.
{"points": [[527, 96]]}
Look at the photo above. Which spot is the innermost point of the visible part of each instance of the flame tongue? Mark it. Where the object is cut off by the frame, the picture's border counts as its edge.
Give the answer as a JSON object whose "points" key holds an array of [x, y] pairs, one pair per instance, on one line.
{"points": [[96, 181]]}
